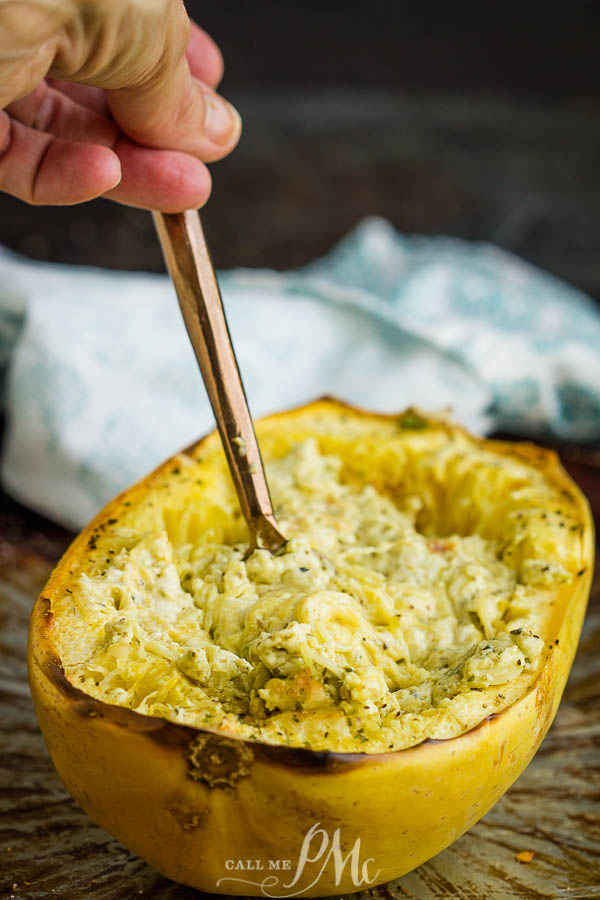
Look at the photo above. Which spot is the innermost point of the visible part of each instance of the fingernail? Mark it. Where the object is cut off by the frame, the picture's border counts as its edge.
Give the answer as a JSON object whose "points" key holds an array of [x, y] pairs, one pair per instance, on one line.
{"points": [[222, 121]]}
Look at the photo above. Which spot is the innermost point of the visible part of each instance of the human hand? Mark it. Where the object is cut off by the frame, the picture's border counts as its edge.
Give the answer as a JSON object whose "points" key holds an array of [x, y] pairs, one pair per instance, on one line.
{"points": [[109, 98]]}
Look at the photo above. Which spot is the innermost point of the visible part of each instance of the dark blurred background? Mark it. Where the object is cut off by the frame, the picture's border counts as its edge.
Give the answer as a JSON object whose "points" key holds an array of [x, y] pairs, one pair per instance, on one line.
{"points": [[470, 119]]}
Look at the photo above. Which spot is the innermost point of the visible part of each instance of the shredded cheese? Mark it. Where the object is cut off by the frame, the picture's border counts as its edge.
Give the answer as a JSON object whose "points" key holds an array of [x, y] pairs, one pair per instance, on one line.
{"points": [[370, 631]]}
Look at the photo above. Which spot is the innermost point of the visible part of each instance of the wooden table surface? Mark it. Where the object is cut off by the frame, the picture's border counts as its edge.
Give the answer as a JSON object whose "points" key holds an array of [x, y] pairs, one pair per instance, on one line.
{"points": [[49, 848]]}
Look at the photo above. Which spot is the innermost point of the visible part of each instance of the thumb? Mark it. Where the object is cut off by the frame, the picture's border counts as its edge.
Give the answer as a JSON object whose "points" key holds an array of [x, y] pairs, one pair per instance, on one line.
{"points": [[136, 51], [171, 109]]}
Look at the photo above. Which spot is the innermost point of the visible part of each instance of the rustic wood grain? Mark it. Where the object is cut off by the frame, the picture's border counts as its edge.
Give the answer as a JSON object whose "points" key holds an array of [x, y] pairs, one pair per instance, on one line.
{"points": [[49, 848]]}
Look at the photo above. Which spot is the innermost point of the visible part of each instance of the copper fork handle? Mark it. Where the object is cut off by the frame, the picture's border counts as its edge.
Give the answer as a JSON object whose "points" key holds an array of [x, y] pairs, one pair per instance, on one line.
{"points": [[188, 261]]}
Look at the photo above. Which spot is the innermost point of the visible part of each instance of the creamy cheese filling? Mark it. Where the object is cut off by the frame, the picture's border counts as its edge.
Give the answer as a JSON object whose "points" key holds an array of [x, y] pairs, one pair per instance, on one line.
{"points": [[362, 634]]}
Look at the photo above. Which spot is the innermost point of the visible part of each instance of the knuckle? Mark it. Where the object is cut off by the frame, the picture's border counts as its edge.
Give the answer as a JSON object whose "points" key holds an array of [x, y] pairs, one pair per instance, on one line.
{"points": [[18, 167], [182, 30], [190, 111], [6, 147], [5, 134], [47, 112]]}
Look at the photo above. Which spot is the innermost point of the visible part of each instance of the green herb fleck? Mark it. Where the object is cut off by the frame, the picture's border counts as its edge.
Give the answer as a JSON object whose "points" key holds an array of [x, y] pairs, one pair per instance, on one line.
{"points": [[412, 420]]}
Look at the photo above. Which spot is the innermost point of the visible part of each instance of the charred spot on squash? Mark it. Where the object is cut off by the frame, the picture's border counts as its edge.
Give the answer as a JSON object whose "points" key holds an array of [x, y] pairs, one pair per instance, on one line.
{"points": [[187, 819], [218, 761], [302, 759]]}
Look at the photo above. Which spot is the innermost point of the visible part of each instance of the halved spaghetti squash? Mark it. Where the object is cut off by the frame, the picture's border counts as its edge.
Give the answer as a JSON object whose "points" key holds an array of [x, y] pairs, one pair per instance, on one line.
{"points": [[403, 654]]}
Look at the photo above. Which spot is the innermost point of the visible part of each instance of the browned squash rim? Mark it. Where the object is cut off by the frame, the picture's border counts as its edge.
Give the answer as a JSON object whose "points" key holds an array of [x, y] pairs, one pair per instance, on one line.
{"points": [[302, 758]]}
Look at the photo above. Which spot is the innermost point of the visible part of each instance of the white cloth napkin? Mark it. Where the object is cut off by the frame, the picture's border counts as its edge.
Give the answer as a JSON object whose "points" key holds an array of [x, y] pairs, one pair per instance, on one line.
{"points": [[100, 383]]}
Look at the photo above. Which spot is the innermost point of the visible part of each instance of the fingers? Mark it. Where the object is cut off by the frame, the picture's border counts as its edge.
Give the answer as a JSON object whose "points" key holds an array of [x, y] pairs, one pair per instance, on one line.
{"points": [[164, 180], [84, 94], [204, 57], [50, 110], [138, 122], [153, 179], [40, 168]]}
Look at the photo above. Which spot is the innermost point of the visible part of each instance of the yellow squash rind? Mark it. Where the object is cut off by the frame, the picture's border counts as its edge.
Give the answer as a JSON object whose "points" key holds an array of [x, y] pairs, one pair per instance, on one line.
{"points": [[195, 805]]}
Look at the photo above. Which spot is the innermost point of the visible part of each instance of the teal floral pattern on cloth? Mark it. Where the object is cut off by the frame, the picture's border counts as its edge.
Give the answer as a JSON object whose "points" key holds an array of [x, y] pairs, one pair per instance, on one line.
{"points": [[99, 383], [534, 340]]}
